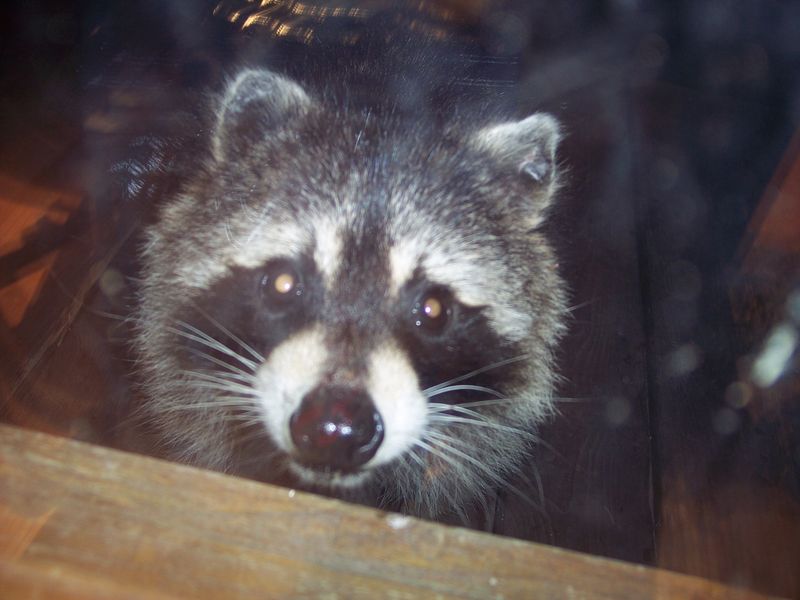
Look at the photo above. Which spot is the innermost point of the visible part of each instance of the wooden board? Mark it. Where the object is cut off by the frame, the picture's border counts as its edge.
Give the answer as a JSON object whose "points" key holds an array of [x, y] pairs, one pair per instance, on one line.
{"points": [[80, 521]]}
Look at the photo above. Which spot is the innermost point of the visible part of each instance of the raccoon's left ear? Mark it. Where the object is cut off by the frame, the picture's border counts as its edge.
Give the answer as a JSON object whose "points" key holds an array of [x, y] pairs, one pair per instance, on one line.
{"points": [[256, 104], [529, 148]]}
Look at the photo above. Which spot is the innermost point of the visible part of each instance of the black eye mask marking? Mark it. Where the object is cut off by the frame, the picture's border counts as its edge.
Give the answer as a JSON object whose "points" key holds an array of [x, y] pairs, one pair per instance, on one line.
{"points": [[257, 308], [445, 339]]}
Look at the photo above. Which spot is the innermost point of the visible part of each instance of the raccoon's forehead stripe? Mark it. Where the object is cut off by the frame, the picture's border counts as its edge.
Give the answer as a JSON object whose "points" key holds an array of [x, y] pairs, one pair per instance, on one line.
{"points": [[474, 276], [404, 259], [328, 243]]}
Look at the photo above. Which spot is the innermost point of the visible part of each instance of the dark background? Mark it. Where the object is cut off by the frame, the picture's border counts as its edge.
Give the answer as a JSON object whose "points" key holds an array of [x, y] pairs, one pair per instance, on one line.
{"points": [[679, 118]]}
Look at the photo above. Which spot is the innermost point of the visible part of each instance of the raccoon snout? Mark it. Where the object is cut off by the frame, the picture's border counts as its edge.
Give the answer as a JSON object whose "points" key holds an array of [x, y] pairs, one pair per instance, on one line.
{"points": [[336, 428]]}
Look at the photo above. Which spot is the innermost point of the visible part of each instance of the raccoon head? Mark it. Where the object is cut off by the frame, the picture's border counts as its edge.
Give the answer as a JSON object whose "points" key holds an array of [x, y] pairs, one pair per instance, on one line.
{"points": [[370, 300]]}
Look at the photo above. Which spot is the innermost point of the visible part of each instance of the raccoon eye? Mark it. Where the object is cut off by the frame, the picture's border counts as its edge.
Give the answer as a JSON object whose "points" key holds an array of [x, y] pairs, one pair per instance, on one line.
{"points": [[432, 311], [280, 284]]}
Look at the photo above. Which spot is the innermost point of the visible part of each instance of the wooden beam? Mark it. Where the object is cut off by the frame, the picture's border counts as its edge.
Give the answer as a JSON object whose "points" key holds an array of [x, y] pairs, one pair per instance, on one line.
{"points": [[81, 521]]}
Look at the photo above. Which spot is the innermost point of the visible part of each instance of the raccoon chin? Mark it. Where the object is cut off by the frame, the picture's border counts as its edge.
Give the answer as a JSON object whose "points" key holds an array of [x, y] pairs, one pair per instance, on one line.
{"points": [[327, 479]]}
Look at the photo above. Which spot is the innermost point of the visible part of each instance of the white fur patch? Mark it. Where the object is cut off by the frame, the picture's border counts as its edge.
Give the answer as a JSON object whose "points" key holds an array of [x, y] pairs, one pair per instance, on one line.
{"points": [[327, 249], [266, 241], [466, 270], [475, 285], [247, 244], [404, 258], [291, 371], [392, 383]]}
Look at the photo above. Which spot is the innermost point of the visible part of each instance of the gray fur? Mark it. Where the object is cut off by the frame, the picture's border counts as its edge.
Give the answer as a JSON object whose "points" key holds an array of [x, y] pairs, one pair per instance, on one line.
{"points": [[286, 168]]}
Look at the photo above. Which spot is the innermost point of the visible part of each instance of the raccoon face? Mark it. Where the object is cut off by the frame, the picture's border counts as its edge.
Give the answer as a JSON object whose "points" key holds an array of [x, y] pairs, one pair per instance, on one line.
{"points": [[371, 302]]}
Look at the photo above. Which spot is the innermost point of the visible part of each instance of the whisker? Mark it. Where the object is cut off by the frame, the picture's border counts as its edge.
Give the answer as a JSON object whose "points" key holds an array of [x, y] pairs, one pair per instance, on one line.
{"points": [[107, 315], [529, 435], [487, 402], [219, 387], [463, 406], [231, 335], [442, 440], [539, 485], [466, 376], [562, 400], [255, 435], [498, 479], [458, 388], [244, 421], [439, 448], [221, 363], [224, 402], [579, 306], [416, 458], [223, 378], [210, 342], [437, 452], [483, 423], [437, 409]]}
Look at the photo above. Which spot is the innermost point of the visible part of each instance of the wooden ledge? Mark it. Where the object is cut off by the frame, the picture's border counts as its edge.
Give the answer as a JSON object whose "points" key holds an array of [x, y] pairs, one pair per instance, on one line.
{"points": [[79, 521]]}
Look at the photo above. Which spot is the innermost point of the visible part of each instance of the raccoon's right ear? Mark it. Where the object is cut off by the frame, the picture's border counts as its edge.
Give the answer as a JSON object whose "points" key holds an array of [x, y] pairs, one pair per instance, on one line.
{"points": [[254, 105], [527, 147]]}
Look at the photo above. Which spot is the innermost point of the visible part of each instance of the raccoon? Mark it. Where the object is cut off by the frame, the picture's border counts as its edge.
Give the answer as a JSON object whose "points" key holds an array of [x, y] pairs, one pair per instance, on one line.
{"points": [[354, 301]]}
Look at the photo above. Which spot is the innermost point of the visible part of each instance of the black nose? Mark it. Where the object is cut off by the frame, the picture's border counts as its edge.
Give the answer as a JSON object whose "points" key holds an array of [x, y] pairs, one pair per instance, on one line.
{"points": [[336, 428]]}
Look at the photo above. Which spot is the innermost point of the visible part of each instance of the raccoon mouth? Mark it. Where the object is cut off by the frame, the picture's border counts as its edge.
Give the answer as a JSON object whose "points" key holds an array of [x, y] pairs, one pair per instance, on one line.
{"points": [[326, 477]]}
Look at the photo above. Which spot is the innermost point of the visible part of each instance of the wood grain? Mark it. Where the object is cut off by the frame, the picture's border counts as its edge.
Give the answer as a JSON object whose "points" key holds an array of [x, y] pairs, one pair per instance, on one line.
{"points": [[84, 521]]}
